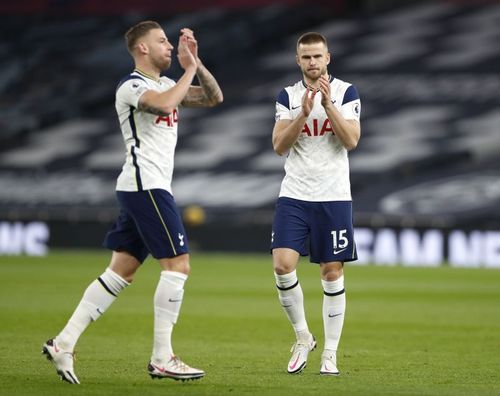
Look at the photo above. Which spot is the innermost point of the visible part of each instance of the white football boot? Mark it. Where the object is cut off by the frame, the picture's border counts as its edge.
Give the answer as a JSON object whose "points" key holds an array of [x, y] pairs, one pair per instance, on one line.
{"points": [[176, 369], [329, 363], [62, 360], [300, 351]]}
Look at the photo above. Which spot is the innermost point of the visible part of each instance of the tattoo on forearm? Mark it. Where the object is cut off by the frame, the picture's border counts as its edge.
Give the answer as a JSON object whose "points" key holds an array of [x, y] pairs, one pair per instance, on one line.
{"points": [[150, 109], [209, 84], [210, 92]]}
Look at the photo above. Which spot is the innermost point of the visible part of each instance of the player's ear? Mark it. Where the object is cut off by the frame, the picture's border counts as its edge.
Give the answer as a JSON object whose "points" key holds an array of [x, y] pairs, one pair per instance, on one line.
{"points": [[328, 58], [297, 59], [142, 47]]}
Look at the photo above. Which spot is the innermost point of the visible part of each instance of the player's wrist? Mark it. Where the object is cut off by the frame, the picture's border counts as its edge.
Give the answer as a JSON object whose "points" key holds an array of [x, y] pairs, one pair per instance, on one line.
{"points": [[191, 69], [327, 106]]}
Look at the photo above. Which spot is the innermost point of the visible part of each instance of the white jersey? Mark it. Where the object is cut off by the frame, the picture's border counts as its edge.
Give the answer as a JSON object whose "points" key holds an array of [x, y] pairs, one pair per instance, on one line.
{"points": [[150, 139], [317, 165]]}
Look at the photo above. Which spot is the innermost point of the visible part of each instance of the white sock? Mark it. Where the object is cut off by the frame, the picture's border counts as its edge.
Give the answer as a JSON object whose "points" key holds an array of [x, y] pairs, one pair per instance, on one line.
{"points": [[167, 304], [333, 311], [96, 299], [292, 300]]}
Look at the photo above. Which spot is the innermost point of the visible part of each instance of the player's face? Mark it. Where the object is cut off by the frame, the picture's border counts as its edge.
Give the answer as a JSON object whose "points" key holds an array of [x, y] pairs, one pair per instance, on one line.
{"points": [[160, 49], [313, 60]]}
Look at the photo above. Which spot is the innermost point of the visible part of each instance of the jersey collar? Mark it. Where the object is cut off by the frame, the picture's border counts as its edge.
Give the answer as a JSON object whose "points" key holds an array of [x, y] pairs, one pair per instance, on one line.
{"points": [[146, 75], [330, 78]]}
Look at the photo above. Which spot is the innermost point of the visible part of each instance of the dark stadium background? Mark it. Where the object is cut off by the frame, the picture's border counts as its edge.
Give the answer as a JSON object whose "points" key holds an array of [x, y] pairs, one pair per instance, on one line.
{"points": [[425, 176]]}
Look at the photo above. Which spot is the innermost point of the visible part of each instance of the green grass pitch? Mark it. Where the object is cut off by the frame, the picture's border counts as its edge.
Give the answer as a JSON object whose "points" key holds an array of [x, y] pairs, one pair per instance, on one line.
{"points": [[408, 331]]}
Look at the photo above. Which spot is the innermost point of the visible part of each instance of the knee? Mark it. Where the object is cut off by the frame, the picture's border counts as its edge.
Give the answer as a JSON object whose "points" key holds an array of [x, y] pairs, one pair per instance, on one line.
{"points": [[125, 273], [332, 274], [285, 260], [124, 264], [283, 268], [177, 264], [184, 267], [128, 277]]}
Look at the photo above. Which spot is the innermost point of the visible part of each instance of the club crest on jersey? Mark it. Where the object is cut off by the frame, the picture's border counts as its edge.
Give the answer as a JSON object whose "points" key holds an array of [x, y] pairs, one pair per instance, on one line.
{"points": [[357, 108], [137, 89], [314, 130], [169, 119]]}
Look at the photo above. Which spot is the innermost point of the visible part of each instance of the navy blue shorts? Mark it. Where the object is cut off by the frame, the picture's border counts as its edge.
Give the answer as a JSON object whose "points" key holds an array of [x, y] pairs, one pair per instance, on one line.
{"points": [[327, 226], [149, 223]]}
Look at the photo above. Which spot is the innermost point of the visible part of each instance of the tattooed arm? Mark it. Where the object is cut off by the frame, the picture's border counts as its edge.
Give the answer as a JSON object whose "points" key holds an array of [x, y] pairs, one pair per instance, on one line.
{"points": [[164, 103], [207, 94]]}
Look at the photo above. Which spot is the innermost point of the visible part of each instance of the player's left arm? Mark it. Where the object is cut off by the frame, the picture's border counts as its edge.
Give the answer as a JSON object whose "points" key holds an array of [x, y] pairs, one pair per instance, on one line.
{"points": [[208, 93], [348, 131]]}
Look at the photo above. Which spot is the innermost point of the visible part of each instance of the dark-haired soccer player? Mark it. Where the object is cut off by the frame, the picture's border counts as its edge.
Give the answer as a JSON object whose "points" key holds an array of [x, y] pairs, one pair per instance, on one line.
{"points": [[149, 221], [317, 123]]}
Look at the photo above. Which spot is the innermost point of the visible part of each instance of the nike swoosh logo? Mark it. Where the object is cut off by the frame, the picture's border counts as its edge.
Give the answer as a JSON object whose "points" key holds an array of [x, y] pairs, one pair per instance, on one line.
{"points": [[295, 363], [333, 315], [338, 251], [160, 369], [296, 107], [286, 306], [170, 300]]}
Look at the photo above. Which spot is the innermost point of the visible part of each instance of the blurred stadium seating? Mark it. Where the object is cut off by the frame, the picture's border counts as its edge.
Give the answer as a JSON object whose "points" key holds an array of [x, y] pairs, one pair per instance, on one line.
{"points": [[427, 74]]}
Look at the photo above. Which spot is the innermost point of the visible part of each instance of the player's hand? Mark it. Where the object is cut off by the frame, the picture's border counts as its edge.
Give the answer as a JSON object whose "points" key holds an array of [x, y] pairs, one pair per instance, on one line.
{"points": [[191, 41], [184, 55], [308, 101], [324, 87]]}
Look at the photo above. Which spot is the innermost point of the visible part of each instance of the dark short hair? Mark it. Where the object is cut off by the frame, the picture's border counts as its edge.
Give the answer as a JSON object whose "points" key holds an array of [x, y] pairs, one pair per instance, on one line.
{"points": [[311, 38], [137, 31]]}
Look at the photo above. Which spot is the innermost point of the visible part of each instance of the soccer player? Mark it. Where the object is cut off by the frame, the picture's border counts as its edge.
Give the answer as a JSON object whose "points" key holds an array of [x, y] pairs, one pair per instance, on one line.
{"points": [[149, 221], [317, 123]]}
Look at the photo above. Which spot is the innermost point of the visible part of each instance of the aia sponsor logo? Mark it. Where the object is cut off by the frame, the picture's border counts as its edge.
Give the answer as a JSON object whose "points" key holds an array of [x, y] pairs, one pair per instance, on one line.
{"points": [[171, 119], [315, 130]]}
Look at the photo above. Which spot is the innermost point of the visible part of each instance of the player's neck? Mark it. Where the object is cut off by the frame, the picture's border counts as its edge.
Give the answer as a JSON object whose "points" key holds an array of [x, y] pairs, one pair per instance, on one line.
{"points": [[148, 70], [311, 83], [314, 83]]}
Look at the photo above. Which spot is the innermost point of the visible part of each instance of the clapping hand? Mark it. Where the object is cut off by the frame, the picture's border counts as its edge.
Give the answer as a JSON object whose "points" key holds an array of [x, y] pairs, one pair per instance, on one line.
{"points": [[308, 101], [191, 41], [184, 54], [324, 87]]}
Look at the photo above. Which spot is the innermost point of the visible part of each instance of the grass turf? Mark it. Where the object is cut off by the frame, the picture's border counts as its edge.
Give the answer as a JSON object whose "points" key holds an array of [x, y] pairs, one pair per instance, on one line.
{"points": [[408, 331]]}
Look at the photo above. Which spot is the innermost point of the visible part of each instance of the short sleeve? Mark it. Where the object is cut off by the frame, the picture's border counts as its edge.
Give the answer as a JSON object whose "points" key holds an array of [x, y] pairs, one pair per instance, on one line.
{"points": [[283, 106], [131, 90], [351, 104]]}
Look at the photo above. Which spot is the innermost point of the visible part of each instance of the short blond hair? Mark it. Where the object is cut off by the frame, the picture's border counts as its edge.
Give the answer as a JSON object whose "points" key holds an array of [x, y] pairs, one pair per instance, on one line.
{"points": [[311, 38], [137, 31]]}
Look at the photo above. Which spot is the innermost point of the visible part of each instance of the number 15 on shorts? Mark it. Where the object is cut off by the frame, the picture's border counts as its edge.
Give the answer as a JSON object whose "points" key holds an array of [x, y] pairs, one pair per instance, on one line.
{"points": [[339, 240]]}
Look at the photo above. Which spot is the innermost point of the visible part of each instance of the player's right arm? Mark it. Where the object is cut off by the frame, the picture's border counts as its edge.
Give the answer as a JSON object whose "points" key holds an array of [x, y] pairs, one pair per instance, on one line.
{"points": [[164, 103], [286, 132]]}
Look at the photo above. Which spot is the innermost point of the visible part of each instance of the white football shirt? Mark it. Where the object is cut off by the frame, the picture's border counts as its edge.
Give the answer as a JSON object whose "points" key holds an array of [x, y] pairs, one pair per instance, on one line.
{"points": [[317, 165], [150, 139]]}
